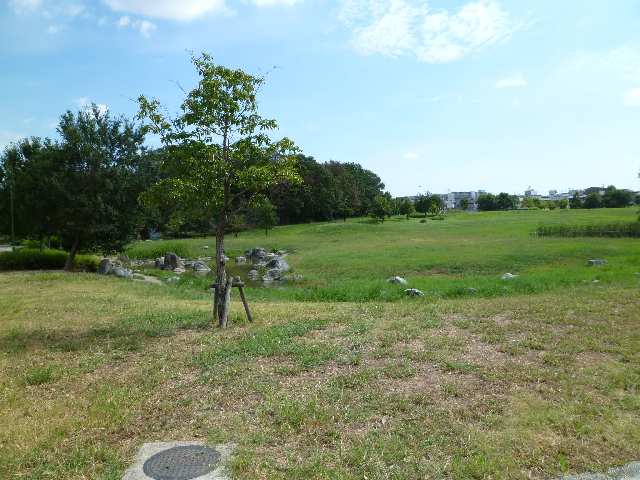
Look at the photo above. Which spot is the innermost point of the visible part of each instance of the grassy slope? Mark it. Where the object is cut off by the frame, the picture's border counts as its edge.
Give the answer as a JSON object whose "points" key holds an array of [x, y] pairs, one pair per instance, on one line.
{"points": [[350, 261], [519, 386]]}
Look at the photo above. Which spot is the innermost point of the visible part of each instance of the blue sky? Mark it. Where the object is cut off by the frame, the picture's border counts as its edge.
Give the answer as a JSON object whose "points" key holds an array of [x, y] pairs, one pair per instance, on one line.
{"points": [[432, 95]]}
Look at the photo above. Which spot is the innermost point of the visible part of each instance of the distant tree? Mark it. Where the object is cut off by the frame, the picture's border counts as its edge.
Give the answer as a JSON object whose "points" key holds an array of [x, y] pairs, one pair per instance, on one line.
{"points": [[464, 204], [616, 198], [262, 213], [636, 199], [436, 204], [562, 204], [381, 208], [221, 154], [592, 200], [504, 201], [487, 202], [406, 207], [422, 204], [575, 201]]}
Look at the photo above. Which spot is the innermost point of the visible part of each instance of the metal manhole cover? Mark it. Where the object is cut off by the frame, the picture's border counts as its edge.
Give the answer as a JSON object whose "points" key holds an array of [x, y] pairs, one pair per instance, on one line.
{"points": [[181, 463]]}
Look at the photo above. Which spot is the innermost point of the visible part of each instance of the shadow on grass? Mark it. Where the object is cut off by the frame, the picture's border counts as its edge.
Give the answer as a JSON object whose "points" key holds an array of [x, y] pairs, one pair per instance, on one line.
{"points": [[125, 334]]}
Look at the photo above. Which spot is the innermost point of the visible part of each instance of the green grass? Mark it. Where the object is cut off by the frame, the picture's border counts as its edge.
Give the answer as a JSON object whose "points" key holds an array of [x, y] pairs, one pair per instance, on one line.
{"points": [[532, 381], [463, 256]]}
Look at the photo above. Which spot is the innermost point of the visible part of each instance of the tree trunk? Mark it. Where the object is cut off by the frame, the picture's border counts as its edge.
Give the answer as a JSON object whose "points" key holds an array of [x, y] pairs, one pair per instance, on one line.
{"points": [[221, 272], [68, 266]]}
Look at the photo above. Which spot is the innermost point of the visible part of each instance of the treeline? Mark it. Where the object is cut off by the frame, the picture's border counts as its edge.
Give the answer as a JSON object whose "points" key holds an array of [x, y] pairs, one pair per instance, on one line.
{"points": [[328, 191], [92, 187], [502, 201], [612, 197]]}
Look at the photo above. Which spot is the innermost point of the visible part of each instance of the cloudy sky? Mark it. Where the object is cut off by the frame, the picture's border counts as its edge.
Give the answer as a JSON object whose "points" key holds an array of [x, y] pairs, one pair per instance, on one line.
{"points": [[432, 95]]}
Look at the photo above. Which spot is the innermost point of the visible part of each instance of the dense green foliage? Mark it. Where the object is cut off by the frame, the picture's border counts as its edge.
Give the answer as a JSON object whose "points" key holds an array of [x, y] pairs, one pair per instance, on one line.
{"points": [[262, 213], [502, 201], [328, 191], [46, 259], [82, 188]]}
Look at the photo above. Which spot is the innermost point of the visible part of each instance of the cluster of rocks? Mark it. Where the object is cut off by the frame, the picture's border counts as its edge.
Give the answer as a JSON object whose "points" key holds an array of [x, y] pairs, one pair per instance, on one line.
{"points": [[173, 262], [410, 292], [119, 267], [265, 266]]}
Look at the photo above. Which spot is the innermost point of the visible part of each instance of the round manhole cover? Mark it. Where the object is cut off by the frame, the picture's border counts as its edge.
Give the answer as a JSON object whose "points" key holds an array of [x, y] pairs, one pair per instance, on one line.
{"points": [[181, 463]]}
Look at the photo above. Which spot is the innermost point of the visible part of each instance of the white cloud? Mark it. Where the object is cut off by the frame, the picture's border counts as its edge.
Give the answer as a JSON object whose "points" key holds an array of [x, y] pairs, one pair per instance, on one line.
{"points": [[632, 97], [25, 6], [410, 27], [184, 10], [53, 29], [145, 27], [512, 81], [272, 3], [84, 103], [124, 21], [410, 156]]}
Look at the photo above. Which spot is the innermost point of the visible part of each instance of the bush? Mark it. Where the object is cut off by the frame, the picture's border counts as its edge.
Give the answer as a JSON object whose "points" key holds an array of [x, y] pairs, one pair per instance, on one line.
{"points": [[603, 230], [33, 259], [157, 248]]}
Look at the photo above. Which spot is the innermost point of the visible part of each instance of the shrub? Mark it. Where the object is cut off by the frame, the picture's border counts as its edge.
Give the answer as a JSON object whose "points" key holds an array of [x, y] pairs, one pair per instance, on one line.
{"points": [[33, 259], [603, 230], [157, 248]]}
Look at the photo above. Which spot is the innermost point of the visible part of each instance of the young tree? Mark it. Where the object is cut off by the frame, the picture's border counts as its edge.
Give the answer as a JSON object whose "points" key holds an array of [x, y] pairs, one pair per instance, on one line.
{"points": [[593, 200], [221, 155], [487, 202], [436, 204], [504, 201], [575, 201], [464, 204], [406, 207], [381, 208], [422, 204], [262, 213]]}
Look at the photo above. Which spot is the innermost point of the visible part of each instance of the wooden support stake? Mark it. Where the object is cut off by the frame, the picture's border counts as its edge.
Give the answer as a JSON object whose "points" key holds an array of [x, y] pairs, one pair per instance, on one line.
{"points": [[244, 302]]}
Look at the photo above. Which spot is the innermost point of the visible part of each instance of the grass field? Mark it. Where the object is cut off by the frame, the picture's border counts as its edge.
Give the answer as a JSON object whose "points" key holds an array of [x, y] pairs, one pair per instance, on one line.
{"points": [[351, 261], [530, 381]]}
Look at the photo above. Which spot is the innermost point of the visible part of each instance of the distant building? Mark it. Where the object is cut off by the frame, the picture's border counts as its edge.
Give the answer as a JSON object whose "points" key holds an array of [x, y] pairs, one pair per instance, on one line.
{"points": [[454, 199]]}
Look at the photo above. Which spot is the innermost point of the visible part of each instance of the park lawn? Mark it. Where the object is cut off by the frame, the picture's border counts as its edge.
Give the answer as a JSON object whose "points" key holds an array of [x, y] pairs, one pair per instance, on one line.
{"points": [[461, 256], [514, 386]]}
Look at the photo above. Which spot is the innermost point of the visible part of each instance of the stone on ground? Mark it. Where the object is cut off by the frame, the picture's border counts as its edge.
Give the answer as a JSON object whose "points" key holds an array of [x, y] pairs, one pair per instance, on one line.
{"points": [[397, 280]]}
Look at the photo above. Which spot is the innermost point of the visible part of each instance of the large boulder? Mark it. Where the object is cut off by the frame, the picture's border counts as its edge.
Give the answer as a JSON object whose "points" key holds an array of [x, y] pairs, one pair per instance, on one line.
{"points": [[278, 263], [172, 261], [122, 272], [253, 275], [105, 267], [256, 255], [414, 292], [272, 274], [397, 280], [596, 262], [201, 267]]}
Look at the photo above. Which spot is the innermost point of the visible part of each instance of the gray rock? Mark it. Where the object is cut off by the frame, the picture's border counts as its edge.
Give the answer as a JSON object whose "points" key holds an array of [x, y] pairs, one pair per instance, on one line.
{"points": [[241, 260], [172, 261], [278, 263], [124, 259], [206, 247], [105, 267], [253, 275], [596, 262], [122, 272], [256, 255], [272, 274], [159, 262], [201, 266], [397, 280], [414, 292], [179, 270], [508, 276], [472, 290]]}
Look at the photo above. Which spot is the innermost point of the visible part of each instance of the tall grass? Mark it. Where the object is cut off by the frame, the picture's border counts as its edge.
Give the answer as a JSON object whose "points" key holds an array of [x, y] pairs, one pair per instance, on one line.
{"points": [[46, 259], [615, 230]]}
